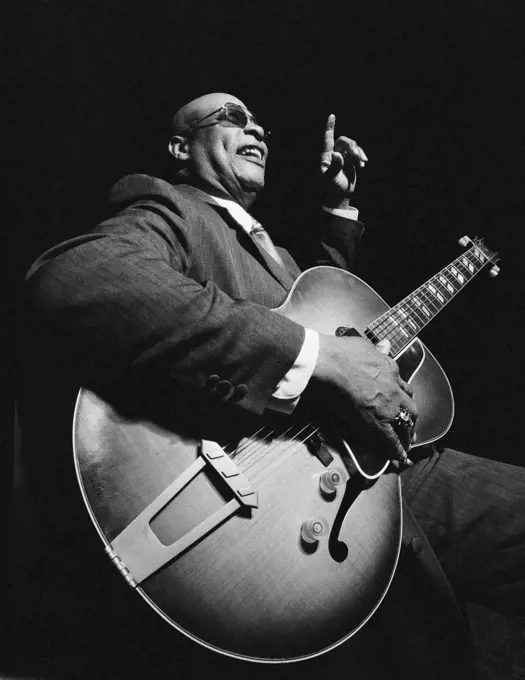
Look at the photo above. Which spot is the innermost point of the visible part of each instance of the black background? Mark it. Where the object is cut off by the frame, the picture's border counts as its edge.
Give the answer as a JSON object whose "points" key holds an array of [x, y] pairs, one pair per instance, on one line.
{"points": [[431, 91]]}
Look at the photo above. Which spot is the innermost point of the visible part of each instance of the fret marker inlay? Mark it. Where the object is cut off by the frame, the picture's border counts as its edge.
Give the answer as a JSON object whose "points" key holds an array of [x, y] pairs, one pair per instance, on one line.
{"points": [[479, 255], [458, 276], [422, 306]]}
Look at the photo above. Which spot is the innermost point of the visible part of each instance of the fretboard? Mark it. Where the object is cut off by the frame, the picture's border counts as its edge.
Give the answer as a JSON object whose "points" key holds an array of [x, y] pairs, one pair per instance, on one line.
{"points": [[402, 323]]}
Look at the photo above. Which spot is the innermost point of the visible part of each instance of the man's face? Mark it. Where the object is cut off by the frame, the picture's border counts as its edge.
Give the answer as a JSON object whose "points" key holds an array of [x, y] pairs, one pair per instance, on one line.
{"points": [[229, 158]]}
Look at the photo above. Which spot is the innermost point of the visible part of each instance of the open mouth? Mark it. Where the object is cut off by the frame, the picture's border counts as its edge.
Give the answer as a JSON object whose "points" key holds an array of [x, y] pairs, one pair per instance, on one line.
{"points": [[252, 152]]}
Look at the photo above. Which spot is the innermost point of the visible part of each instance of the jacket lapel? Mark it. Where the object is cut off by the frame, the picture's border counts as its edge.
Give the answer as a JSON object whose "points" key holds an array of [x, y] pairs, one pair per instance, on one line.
{"points": [[278, 271]]}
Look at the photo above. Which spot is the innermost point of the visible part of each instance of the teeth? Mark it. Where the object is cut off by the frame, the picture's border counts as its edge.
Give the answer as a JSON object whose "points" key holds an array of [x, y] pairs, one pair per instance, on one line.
{"points": [[251, 151]]}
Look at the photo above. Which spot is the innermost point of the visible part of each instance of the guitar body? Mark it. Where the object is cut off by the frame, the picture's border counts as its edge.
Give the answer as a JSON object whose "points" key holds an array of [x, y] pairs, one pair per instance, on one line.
{"points": [[324, 298], [254, 583]]}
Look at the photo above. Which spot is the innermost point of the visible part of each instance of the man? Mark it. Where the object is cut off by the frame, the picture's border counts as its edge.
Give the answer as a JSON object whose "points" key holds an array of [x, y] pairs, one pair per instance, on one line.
{"points": [[173, 295]]}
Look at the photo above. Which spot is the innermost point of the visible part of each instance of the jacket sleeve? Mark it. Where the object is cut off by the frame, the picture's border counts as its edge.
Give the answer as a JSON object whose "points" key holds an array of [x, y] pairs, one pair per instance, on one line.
{"points": [[334, 242], [117, 303], [339, 240]]}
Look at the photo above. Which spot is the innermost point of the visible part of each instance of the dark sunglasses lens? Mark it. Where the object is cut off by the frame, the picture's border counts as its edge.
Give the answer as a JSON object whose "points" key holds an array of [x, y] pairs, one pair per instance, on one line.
{"points": [[235, 115]]}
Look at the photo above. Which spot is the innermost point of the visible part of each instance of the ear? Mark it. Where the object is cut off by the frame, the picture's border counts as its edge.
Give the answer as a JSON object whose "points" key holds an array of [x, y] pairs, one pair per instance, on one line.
{"points": [[178, 147]]}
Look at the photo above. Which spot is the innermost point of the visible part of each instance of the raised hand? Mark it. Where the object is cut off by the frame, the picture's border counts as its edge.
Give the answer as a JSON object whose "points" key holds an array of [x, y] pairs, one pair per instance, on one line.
{"points": [[339, 159]]}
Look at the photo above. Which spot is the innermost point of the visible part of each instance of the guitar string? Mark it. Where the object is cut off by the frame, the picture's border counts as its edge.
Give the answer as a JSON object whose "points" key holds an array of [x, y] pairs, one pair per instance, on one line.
{"points": [[238, 449], [276, 448], [264, 447], [257, 447], [253, 452], [385, 318], [410, 307], [397, 330], [292, 442]]}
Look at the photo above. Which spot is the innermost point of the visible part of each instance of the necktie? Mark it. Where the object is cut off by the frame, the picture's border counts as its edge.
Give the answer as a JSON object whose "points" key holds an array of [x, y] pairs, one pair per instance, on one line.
{"points": [[261, 236]]}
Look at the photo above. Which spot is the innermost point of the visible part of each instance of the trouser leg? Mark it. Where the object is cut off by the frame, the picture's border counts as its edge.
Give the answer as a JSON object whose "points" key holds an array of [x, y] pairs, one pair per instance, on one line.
{"points": [[473, 513]]}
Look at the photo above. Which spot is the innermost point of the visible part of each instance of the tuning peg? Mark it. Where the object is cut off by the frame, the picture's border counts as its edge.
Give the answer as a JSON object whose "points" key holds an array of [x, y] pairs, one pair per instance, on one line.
{"points": [[494, 271], [465, 241]]}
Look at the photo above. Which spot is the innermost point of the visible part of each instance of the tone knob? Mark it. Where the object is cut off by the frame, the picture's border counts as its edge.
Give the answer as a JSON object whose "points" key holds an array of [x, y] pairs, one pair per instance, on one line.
{"points": [[330, 480], [312, 530]]}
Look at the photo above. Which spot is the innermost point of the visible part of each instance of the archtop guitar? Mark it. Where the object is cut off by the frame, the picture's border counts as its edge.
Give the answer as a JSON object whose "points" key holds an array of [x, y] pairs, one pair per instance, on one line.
{"points": [[279, 545]]}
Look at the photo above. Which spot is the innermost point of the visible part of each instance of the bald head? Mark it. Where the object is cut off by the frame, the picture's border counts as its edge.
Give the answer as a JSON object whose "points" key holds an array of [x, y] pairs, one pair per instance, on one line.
{"points": [[222, 156], [193, 111]]}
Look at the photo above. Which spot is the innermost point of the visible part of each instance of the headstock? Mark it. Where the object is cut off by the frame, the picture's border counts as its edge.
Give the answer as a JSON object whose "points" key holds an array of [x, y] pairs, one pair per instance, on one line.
{"points": [[489, 254]]}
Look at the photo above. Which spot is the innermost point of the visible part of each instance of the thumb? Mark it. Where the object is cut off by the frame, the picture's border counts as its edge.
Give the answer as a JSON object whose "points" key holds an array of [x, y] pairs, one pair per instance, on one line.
{"points": [[331, 167], [383, 346]]}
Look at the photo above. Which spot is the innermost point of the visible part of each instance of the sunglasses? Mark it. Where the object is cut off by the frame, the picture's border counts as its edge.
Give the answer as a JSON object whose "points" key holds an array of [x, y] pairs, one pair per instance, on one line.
{"points": [[229, 114]]}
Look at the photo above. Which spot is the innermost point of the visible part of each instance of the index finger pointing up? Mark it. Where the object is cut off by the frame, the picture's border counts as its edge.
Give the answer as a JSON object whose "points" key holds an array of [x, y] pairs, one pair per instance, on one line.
{"points": [[329, 134]]}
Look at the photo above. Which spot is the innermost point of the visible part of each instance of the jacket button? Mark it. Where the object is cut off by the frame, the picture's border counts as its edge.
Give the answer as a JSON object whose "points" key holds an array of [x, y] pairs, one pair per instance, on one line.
{"points": [[212, 380], [222, 389], [240, 392]]}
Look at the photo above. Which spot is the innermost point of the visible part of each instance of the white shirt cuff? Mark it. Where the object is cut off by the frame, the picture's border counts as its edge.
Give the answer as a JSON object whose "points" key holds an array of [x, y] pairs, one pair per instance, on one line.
{"points": [[350, 213], [293, 384]]}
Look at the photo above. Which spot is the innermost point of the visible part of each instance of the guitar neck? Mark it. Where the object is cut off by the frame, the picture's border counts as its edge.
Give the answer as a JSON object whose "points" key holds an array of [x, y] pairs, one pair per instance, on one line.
{"points": [[402, 323]]}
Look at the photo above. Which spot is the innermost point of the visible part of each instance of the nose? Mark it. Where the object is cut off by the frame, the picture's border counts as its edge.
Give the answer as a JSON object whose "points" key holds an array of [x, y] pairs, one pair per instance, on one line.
{"points": [[253, 128]]}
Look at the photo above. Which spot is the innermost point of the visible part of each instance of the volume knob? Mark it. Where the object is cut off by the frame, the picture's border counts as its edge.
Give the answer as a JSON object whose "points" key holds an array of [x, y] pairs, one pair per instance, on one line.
{"points": [[312, 530]]}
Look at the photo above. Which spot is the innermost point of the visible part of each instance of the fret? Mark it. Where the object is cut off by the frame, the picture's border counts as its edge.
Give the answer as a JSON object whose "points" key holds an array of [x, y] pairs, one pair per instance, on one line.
{"points": [[399, 326], [479, 255], [443, 285], [407, 318], [393, 330], [402, 323], [429, 298], [398, 335], [426, 311], [433, 289], [457, 275], [468, 264], [464, 270], [397, 346], [452, 281]]}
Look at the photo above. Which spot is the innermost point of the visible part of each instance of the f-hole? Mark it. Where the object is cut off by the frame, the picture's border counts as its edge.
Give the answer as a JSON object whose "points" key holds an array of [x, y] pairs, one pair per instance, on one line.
{"points": [[338, 549]]}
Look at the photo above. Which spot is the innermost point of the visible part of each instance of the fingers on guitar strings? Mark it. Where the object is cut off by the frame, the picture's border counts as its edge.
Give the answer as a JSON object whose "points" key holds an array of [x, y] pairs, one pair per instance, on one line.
{"points": [[406, 387]]}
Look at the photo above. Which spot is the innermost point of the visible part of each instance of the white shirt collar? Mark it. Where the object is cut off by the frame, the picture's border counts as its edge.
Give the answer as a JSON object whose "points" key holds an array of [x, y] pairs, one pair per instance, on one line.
{"points": [[239, 214], [247, 222]]}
